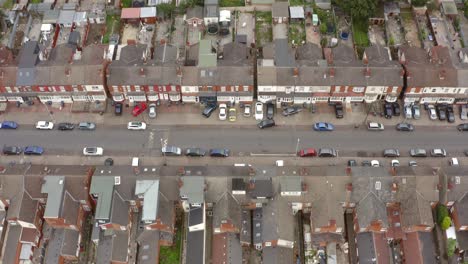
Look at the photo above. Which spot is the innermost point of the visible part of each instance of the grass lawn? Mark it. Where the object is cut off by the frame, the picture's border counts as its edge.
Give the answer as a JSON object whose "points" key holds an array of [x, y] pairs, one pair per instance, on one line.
{"points": [[112, 25], [8, 4], [360, 33], [296, 2], [126, 3], [263, 28], [171, 255], [407, 16], [296, 33], [36, 1], [228, 3]]}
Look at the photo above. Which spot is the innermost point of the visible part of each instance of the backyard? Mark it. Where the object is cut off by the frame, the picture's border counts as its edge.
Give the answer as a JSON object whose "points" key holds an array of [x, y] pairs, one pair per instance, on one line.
{"points": [[297, 34], [296, 3], [171, 255], [229, 3], [360, 29], [263, 28], [112, 25]]}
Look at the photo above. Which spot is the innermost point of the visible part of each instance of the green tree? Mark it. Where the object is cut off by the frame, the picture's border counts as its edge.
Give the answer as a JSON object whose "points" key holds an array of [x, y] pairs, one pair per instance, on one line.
{"points": [[441, 212], [419, 3], [445, 223], [451, 245], [166, 8], [323, 28]]}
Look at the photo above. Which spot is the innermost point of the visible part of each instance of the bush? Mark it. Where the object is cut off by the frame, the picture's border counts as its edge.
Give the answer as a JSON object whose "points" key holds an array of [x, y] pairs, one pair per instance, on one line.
{"points": [[451, 245], [323, 28], [446, 223], [442, 212]]}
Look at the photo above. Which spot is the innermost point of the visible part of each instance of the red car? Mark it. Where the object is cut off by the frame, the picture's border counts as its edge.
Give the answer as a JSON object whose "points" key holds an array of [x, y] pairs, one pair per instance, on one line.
{"points": [[139, 108], [310, 152]]}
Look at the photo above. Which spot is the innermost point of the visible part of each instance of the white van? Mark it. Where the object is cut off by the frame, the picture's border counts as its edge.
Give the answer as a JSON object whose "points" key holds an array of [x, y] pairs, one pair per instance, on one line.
{"points": [[453, 162], [135, 162]]}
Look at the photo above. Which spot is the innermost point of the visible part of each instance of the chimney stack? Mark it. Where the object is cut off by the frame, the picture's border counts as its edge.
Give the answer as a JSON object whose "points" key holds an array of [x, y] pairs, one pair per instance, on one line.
{"points": [[367, 72], [331, 72], [442, 74], [179, 71], [142, 72], [394, 187], [365, 60], [349, 187], [296, 72], [67, 72], [402, 58], [107, 72], [402, 73]]}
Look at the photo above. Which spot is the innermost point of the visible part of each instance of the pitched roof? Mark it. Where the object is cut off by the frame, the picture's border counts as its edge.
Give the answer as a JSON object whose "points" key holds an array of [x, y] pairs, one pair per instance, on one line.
{"points": [[462, 210], [148, 247], [419, 247], [10, 243], [195, 12], [372, 248], [28, 59], [277, 255], [193, 188], [103, 187], [63, 242], [54, 188], [195, 250], [226, 210], [277, 219], [149, 189], [113, 246], [226, 249]]}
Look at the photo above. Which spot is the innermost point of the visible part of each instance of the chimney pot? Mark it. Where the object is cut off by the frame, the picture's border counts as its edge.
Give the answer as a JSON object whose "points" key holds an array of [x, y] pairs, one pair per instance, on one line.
{"points": [[142, 72], [296, 72], [442, 74], [367, 72], [331, 72]]}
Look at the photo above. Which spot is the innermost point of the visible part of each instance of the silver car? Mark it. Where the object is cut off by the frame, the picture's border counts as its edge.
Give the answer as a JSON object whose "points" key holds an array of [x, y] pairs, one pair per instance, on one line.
{"points": [[86, 126], [463, 112], [408, 112], [416, 112], [152, 111], [432, 112]]}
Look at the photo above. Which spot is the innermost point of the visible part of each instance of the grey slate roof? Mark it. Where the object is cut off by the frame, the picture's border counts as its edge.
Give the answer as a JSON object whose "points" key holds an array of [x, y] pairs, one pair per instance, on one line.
{"points": [[280, 9], [113, 246], [221, 75], [462, 210], [246, 228], [226, 249], [63, 242], [262, 188], [10, 244], [277, 219], [195, 247], [195, 12], [365, 247], [149, 189], [238, 184], [148, 247], [211, 10], [227, 209], [257, 222], [193, 188], [291, 184], [103, 187], [54, 187], [66, 17], [28, 59], [284, 56], [195, 216], [278, 255], [427, 245]]}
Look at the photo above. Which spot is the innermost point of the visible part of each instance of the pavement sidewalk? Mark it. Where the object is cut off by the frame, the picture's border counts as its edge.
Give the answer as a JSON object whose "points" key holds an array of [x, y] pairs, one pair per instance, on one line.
{"points": [[190, 115]]}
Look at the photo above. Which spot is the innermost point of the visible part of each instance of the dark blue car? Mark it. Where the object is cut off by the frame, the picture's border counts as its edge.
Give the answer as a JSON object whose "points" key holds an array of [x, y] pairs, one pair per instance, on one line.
{"points": [[323, 126], [9, 125], [33, 150]]}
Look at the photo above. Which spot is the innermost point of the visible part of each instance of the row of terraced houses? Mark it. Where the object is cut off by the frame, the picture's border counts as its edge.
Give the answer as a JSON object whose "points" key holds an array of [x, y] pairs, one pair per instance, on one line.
{"points": [[308, 74]]}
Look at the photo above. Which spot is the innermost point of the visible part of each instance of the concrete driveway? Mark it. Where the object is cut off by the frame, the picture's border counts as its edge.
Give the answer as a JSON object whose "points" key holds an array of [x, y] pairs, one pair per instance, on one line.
{"points": [[280, 31], [246, 26]]}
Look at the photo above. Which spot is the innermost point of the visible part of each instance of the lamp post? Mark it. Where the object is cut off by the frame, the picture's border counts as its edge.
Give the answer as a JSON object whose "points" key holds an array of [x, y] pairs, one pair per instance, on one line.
{"points": [[297, 146]]}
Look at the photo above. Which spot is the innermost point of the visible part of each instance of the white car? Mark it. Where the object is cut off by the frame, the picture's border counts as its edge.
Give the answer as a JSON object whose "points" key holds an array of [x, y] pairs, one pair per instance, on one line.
{"points": [[46, 125], [432, 112], [136, 126], [247, 110], [395, 163], [93, 151], [222, 112], [375, 163], [258, 111], [152, 111], [375, 126]]}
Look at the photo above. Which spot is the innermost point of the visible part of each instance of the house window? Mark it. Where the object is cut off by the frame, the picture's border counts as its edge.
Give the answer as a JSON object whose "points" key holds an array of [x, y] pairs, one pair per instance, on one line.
{"points": [[246, 88], [358, 89], [223, 88], [209, 88], [434, 90], [413, 90]]}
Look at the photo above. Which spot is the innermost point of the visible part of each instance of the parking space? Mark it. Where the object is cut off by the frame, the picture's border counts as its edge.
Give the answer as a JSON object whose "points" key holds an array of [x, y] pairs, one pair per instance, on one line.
{"points": [[246, 26]]}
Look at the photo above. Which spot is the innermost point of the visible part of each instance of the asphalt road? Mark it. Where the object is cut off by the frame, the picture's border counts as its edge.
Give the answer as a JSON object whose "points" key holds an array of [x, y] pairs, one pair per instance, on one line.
{"points": [[350, 142]]}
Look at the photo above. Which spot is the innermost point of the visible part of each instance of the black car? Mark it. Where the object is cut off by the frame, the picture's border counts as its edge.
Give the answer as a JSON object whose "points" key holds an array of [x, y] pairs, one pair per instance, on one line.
{"points": [[12, 150], [195, 152], [118, 109], [287, 111], [388, 110], [109, 162], [209, 109], [352, 163], [339, 110], [396, 109], [65, 126], [366, 163], [463, 127], [404, 127], [270, 110], [441, 112], [219, 153], [450, 114], [266, 123]]}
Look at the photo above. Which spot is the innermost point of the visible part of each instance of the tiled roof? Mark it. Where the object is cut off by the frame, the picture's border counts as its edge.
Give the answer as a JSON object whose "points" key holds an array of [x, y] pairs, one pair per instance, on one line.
{"points": [[148, 247]]}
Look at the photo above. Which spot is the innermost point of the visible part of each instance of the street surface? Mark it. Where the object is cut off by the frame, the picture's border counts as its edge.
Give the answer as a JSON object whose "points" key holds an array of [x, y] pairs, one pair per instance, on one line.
{"points": [[349, 141]]}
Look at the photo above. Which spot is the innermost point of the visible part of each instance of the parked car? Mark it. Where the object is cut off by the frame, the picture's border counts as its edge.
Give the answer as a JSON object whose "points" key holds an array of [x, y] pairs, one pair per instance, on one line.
{"points": [[395, 163], [404, 127], [396, 109], [44, 125], [323, 126], [418, 153], [412, 163], [373, 126], [171, 151], [450, 114], [432, 112], [375, 163], [65, 126], [247, 110], [195, 152], [219, 153], [118, 109], [441, 111], [93, 151], [12, 150], [388, 110], [33, 150], [454, 162], [108, 162], [136, 125], [270, 110], [287, 111], [339, 113], [222, 112], [258, 111], [232, 115], [463, 112], [308, 152], [266, 123], [152, 111], [416, 112], [8, 125], [209, 109], [391, 153], [327, 153], [352, 163], [438, 152], [86, 126], [139, 108], [366, 163], [463, 127], [408, 112]]}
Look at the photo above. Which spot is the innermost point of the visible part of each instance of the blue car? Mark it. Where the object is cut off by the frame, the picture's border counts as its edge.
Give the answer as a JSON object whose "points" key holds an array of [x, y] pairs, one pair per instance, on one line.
{"points": [[9, 125], [323, 126], [33, 150]]}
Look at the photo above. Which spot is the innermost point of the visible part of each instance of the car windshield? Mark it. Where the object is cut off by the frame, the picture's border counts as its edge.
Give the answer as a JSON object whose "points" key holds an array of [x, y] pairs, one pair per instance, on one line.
{"points": [[91, 149]]}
